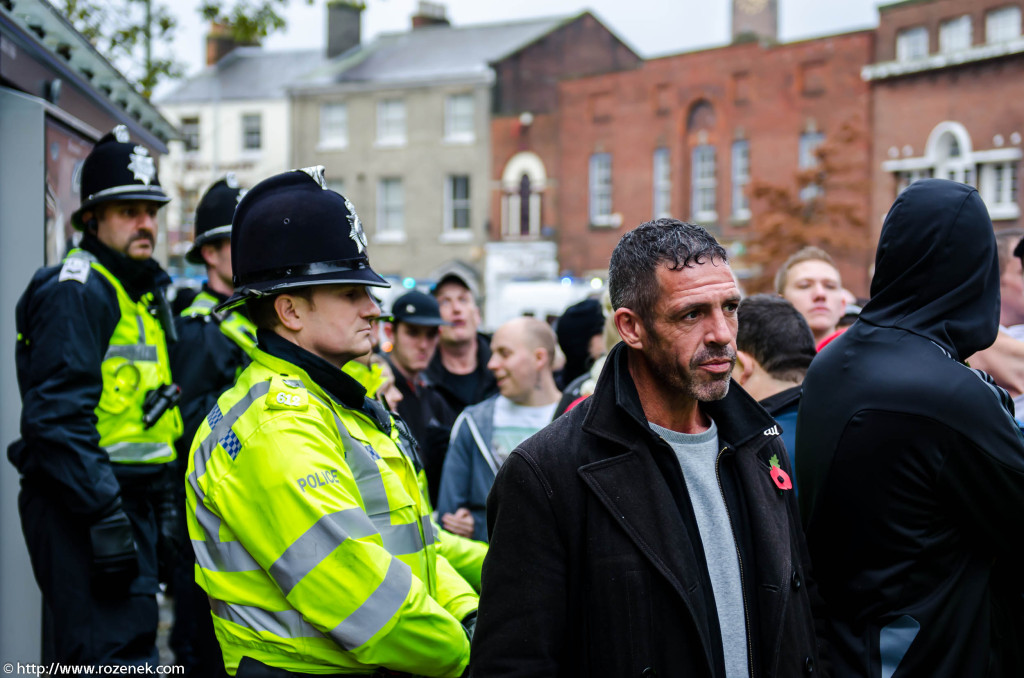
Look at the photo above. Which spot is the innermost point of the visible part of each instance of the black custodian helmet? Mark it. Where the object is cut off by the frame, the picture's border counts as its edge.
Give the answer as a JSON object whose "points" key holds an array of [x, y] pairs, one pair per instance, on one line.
{"points": [[117, 169], [214, 214], [291, 231]]}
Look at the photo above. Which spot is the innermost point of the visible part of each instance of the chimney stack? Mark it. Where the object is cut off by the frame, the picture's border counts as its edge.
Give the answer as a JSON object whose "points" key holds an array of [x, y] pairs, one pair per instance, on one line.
{"points": [[430, 14], [344, 18], [220, 42]]}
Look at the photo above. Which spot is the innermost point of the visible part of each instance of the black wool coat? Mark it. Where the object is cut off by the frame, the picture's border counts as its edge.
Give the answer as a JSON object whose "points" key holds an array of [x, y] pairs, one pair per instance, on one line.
{"points": [[596, 566]]}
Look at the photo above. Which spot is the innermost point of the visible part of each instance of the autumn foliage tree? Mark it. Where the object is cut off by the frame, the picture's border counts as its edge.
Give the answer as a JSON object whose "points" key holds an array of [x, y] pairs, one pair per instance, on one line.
{"points": [[825, 205]]}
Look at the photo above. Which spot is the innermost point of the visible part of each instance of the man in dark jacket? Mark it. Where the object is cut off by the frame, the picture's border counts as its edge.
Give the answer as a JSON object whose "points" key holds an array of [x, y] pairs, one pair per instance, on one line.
{"points": [[650, 530], [459, 368], [774, 348], [911, 466]]}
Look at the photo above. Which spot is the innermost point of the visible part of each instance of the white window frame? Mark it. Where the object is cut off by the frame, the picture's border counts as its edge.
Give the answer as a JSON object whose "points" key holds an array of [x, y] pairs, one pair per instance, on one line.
{"points": [[191, 125], [740, 179], [333, 125], [662, 203], [912, 43], [390, 210], [956, 35], [452, 204], [600, 195], [1003, 24], [704, 183], [460, 118], [391, 120], [949, 153], [809, 142], [246, 131]]}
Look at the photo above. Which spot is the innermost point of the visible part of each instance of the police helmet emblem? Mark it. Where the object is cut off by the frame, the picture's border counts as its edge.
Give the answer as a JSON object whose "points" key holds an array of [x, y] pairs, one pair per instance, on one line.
{"points": [[357, 234], [317, 172], [409, 308], [121, 134], [141, 165], [231, 180]]}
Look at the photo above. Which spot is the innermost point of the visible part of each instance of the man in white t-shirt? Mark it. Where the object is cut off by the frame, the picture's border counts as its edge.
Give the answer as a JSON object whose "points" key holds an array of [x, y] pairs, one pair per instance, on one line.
{"points": [[522, 354]]}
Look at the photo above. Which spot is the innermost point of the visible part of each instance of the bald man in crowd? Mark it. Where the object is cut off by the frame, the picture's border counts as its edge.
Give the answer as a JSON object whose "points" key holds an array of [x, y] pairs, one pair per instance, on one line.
{"points": [[522, 356]]}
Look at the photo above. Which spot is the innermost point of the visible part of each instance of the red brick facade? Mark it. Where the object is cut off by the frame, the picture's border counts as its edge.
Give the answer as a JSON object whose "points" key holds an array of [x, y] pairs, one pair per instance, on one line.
{"points": [[951, 110], [973, 96], [765, 95]]}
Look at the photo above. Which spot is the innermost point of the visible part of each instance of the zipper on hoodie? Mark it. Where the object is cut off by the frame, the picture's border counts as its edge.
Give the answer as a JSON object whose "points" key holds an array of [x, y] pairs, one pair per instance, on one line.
{"points": [[739, 559]]}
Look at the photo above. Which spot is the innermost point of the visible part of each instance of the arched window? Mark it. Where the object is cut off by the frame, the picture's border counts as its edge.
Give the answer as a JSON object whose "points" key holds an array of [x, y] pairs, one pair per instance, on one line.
{"points": [[522, 184], [700, 137], [950, 154]]}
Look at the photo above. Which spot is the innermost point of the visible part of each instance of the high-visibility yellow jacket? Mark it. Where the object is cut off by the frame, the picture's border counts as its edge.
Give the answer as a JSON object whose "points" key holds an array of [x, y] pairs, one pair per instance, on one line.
{"points": [[234, 325], [135, 363], [312, 538]]}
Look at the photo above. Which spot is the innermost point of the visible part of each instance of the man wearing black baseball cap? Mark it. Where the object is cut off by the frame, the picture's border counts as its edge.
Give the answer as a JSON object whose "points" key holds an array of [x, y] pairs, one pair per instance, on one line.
{"points": [[459, 368], [414, 331], [98, 418]]}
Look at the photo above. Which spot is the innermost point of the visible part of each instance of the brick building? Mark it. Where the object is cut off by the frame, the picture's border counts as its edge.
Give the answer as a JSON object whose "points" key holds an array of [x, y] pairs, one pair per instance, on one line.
{"points": [[682, 135], [947, 83], [687, 134]]}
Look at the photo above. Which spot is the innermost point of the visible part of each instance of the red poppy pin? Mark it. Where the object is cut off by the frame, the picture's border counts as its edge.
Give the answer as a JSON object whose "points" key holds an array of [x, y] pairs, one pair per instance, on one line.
{"points": [[780, 477]]}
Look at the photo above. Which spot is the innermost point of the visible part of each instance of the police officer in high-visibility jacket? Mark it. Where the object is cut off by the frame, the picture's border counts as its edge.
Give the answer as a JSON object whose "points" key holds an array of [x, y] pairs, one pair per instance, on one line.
{"points": [[312, 538], [211, 351], [98, 420]]}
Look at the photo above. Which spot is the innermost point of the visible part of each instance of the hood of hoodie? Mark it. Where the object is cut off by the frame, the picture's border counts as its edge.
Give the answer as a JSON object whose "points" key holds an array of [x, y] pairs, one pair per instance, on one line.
{"points": [[936, 268]]}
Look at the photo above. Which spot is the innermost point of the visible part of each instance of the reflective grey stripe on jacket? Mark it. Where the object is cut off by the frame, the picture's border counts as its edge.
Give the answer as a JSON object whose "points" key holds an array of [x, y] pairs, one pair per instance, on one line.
{"points": [[313, 547], [211, 552], [137, 453]]}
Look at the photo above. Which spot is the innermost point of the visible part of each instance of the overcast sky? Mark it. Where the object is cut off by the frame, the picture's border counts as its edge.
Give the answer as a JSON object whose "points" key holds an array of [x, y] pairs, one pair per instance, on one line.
{"points": [[651, 27]]}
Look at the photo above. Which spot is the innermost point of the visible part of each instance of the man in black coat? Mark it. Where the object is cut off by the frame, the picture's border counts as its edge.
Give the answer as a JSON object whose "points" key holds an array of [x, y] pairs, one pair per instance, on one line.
{"points": [[652, 530], [911, 466]]}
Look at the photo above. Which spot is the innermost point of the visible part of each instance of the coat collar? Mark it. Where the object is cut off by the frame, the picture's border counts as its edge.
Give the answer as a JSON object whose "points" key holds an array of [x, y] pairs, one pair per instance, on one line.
{"points": [[616, 413]]}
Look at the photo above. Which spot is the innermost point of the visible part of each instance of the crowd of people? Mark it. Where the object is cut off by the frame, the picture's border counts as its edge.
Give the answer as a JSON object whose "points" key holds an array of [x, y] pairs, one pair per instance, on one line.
{"points": [[673, 480]]}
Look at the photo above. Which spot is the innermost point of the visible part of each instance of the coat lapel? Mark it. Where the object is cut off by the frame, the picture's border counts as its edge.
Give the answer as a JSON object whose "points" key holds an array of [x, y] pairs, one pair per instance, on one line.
{"points": [[630, 486]]}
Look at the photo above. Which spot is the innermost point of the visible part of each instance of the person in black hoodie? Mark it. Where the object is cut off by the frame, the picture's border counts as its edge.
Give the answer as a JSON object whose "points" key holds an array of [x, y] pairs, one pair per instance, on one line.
{"points": [[98, 420], [911, 467]]}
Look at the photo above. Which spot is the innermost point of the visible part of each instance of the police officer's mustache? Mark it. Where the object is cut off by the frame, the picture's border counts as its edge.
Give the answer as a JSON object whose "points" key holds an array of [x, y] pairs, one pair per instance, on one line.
{"points": [[144, 235]]}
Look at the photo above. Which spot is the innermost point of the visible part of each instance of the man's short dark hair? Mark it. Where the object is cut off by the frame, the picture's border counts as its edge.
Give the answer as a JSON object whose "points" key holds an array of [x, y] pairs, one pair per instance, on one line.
{"points": [[632, 274], [776, 335]]}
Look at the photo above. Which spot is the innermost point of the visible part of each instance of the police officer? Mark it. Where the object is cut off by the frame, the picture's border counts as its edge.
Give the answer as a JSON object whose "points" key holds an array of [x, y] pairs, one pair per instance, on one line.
{"points": [[98, 419], [312, 537], [212, 349]]}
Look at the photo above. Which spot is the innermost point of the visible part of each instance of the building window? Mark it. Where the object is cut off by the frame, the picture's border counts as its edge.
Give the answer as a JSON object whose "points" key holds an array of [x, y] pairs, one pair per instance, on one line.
{"points": [[391, 122], [601, 189], [1002, 25], [333, 125], [704, 184], [456, 204], [950, 154], [912, 43], [809, 143], [190, 134], [252, 132], [740, 179], [904, 179], [662, 184], [459, 118], [390, 211], [522, 184], [998, 188], [955, 35]]}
